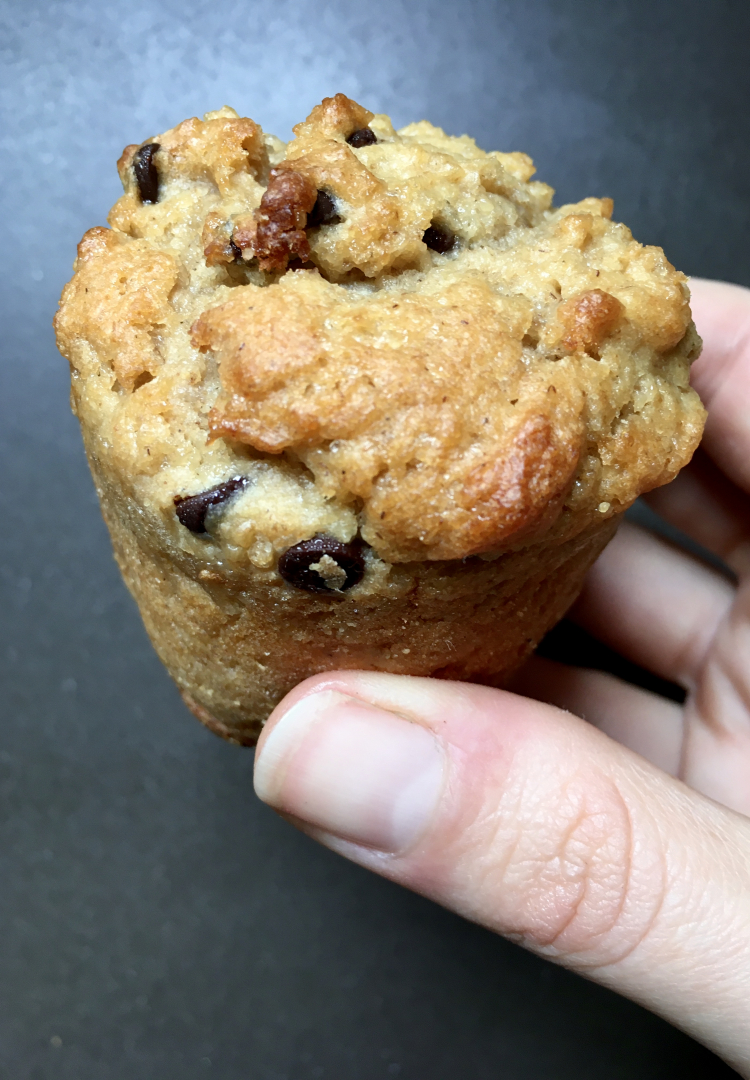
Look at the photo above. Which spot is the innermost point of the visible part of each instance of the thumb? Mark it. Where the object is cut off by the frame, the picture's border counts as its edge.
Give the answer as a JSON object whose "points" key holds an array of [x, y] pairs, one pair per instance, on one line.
{"points": [[526, 819]]}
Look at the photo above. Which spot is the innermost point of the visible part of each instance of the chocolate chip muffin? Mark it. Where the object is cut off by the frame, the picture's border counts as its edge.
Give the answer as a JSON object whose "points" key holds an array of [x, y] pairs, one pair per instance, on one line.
{"points": [[365, 400]]}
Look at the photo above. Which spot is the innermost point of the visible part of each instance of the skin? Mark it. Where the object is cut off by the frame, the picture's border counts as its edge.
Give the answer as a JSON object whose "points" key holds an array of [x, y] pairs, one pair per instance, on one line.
{"points": [[595, 823]]}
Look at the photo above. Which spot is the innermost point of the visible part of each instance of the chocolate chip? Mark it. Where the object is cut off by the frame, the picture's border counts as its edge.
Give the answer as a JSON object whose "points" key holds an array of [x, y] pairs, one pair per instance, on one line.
{"points": [[296, 565], [324, 212], [192, 509], [362, 137], [439, 239], [236, 251], [146, 175]]}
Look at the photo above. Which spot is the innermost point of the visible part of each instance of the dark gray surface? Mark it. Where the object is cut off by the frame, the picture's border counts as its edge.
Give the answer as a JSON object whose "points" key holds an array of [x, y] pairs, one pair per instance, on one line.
{"points": [[156, 922]]}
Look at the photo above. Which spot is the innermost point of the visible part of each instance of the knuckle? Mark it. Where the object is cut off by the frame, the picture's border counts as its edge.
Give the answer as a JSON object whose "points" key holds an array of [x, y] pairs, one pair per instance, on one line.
{"points": [[577, 878]]}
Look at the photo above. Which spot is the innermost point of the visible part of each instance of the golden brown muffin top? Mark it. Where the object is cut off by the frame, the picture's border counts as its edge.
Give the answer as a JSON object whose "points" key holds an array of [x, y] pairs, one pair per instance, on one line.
{"points": [[395, 322]]}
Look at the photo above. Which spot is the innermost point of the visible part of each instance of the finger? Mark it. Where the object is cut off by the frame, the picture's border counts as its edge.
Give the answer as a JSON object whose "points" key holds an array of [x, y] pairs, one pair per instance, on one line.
{"points": [[716, 754], [703, 504], [527, 820], [646, 723], [721, 375], [654, 604]]}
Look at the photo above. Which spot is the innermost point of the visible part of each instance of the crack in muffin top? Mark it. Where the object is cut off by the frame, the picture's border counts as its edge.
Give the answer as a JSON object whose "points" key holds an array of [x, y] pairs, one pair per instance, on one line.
{"points": [[388, 334]]}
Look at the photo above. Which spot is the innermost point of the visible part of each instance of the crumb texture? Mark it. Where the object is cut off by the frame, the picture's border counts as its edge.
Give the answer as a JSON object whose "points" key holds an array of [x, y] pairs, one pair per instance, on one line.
{"points": [[447, 365], [378, 341]]}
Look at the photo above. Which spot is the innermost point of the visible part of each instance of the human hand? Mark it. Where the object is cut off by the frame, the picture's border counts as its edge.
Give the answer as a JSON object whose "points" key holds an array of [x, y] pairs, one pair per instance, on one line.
{"points": [[595, 843]]}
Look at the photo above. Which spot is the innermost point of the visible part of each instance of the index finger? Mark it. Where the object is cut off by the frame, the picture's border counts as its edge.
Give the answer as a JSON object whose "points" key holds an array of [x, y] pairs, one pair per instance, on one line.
{"points": [[721, 375]]}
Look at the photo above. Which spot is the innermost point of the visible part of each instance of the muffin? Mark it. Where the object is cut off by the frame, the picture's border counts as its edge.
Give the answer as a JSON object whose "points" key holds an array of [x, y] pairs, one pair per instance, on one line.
{"points": [[365, 400]]}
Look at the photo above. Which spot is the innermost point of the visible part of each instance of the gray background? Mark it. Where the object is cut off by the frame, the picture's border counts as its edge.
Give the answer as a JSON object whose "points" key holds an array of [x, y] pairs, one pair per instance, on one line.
{"points": [[155, 920]]}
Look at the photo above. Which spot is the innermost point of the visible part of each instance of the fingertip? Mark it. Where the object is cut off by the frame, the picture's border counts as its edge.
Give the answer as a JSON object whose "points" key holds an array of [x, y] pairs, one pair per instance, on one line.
{"points": [[722, 317], [351, 769], [340, 681]]}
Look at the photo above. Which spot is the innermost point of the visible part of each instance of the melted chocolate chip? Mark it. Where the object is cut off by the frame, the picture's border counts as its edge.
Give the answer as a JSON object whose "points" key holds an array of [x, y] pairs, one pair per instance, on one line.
{"points": [[236, 251], [324, 212], [192, 509], [362, 137], [439, 239], [296, 565], [146, 175]]}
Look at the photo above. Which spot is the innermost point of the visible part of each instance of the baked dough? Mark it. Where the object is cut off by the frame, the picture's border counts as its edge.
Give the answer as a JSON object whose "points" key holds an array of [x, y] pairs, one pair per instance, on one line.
{"points": [[363, 401]]}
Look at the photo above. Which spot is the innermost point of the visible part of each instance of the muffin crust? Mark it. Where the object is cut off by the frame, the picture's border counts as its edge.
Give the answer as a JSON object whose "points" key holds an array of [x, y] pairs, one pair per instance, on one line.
{"points": [[389, 340]]}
